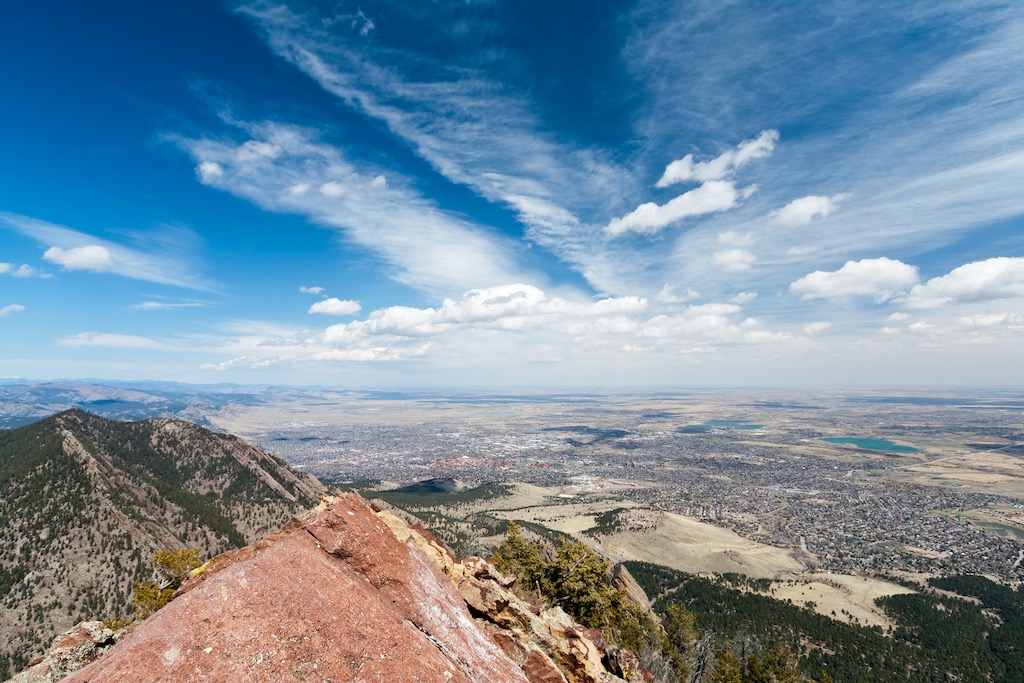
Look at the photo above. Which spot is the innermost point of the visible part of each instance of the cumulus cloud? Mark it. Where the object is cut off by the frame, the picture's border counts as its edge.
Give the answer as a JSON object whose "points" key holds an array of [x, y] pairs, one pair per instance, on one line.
{"points": [[722, 166], [311, 290], [22, 271], [513, 307], [649, 218], [496, 324], [209, 172], [744, 297], [734, 260], [335, 306], [91, 257], [881, 278], [804, 210], [717, 190], [11, 308], [334, 189], [988, 280]]}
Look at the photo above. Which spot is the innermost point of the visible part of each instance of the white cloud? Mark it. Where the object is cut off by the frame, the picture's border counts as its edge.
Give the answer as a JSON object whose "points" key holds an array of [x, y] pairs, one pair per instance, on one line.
{"points": [[496, 325], [334, 306], [91, 257], [311, 290], [167, 306], [733, 260], [334, 189], [649, 218], [379, 182], [899, 316], [509, 308], [165, 256], [988, 280], [424, 246], [111, 341], [880, 278], [209, 172], [803, 250], [256, 150], [717, 190], [743, 297], [984, 320], [11, 308], [804, 210], [722, 166], [473, 130], [22, 271]]}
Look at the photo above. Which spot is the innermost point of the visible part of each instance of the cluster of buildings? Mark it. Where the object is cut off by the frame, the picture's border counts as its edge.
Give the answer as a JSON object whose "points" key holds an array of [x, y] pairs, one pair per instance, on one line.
{"points": [[846, 514]]}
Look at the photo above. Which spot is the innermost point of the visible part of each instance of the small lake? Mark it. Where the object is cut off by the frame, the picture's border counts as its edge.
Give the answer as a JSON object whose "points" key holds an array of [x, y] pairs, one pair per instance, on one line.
{"points": [[872, 444], [1001, 530]]}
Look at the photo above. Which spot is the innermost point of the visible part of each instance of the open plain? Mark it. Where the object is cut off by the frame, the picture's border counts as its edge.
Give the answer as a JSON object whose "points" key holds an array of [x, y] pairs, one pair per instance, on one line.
{"points": [[724, 481]]}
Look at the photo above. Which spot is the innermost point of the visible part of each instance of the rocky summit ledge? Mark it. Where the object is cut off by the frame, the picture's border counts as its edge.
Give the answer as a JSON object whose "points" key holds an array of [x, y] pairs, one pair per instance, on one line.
{"points": [[349, 594]]}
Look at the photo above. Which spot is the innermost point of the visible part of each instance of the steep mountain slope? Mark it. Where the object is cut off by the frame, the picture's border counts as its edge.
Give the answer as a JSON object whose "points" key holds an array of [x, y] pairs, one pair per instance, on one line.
{"points": [[85, 502]]}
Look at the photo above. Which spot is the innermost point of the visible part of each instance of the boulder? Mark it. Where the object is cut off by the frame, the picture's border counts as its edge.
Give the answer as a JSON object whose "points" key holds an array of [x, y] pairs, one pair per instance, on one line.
{"points": [[69, 652]]}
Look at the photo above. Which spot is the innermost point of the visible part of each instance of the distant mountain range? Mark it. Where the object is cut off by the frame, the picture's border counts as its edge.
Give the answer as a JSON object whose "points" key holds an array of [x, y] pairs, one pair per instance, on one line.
{"points": [[86, 501], [23, 402]]}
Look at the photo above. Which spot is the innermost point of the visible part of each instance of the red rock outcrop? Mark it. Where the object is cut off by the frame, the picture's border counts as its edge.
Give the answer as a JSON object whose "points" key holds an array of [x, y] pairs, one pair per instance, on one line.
{"points": [[352, 595], [337, 598]]}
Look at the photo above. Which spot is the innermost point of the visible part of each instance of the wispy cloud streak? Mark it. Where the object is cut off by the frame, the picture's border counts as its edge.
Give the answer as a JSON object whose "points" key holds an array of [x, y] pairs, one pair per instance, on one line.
{"points": [[164, 257], [286, 169]]}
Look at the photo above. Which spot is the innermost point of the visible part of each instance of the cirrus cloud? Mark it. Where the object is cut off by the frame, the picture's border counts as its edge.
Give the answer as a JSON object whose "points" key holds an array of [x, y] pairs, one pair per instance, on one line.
{"points": [[165, 256], [111, 341], [11, 308]]}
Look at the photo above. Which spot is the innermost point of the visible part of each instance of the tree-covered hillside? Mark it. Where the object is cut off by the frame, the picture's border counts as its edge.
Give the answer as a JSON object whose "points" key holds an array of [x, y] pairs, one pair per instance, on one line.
{"points": [[938, 637], [85, 502]]}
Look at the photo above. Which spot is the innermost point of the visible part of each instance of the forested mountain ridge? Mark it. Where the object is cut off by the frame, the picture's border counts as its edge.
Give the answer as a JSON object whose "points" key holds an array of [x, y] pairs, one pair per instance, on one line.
{"points": [[85, 502]]}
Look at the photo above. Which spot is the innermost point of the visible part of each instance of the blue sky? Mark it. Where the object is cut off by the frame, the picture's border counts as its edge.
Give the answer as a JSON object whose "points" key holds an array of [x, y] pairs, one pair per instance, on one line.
{"points": [[513, 192]]}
